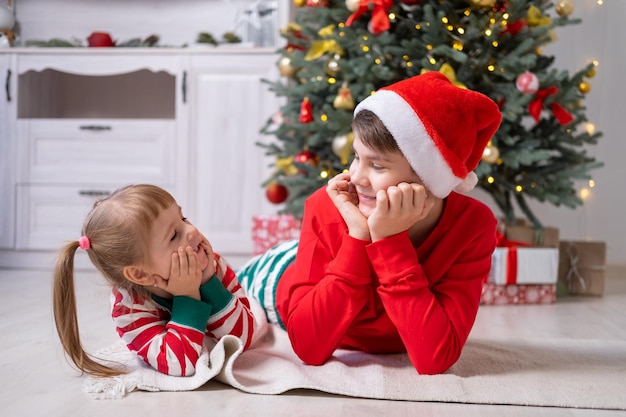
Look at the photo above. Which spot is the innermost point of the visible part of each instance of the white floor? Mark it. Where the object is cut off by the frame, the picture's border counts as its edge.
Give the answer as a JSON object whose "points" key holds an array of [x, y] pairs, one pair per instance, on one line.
{"points": [[35, 379]]}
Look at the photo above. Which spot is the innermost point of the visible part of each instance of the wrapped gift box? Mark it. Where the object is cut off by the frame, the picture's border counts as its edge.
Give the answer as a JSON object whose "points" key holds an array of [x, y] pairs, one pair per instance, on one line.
{"points": [[582, 266], [270, 230], [494, 294], [524, 265], [523, 231]]}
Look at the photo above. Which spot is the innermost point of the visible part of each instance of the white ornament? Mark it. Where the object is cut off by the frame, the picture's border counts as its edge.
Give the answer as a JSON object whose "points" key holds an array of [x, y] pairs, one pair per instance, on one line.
{"points": [[352, 5], [527, 83]]}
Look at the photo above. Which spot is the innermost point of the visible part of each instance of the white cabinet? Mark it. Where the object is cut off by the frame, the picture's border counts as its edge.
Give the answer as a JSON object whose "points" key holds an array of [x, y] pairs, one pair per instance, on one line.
{"points": [[87, 123], [7, 154], [229, 105], [77, 124]]}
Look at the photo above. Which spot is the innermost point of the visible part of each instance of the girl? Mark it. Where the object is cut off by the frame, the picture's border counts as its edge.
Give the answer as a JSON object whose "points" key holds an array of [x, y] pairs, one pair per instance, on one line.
{"points": [[170, 289], [391, 256]]}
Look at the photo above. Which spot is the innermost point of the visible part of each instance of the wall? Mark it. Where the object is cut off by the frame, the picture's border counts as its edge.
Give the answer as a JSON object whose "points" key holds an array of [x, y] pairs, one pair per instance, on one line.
{"points": [[176, 22]]}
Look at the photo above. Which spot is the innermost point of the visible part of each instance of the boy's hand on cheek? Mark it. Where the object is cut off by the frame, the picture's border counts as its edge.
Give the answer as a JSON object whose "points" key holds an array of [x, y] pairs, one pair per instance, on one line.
{"points": [[397, 209], [342, 193]]}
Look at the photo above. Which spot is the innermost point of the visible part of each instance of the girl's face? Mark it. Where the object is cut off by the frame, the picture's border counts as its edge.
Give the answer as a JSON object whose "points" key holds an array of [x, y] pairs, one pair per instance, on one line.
{"points": [[169, 232], [372, 170]]}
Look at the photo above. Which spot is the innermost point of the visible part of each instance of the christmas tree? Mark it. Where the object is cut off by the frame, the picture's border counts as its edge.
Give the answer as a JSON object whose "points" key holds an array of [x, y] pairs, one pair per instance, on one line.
{"points": [[338, 52]]}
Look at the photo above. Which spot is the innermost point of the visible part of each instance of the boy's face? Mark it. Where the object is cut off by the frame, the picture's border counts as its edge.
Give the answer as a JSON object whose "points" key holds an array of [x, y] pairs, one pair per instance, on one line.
{"points": [[372, 170]]}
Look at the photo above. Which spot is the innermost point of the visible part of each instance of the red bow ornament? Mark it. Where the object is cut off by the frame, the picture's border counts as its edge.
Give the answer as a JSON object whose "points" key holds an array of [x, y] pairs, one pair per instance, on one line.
{"points": [[535, 106], [380, 19]]}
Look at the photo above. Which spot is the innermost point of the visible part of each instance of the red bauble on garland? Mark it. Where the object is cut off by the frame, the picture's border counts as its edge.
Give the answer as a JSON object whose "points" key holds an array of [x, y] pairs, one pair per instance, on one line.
{"points": [[276, 193]]}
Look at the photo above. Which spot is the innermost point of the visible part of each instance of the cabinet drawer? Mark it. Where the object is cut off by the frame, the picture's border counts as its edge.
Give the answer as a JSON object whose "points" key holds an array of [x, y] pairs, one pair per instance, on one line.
{"points": [[49, 216], [97, 151]]}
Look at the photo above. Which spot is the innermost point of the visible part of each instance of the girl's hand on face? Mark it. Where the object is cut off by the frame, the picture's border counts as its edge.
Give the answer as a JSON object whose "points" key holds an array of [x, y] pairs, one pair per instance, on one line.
{"points": [[210, 270], [398, 208], [185, 274], [343, 196]]}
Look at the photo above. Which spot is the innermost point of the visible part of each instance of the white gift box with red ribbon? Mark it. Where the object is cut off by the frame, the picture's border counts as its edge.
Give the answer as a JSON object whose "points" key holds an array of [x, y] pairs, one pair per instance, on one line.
{"points": [[524, 265]]}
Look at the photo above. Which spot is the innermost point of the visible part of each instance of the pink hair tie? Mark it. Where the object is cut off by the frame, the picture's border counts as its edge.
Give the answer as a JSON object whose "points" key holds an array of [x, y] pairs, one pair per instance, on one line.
{"points": [[83, 242]]}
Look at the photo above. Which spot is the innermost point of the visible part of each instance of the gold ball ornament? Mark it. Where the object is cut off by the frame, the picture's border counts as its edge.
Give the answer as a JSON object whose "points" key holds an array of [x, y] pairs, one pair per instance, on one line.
{"points": [[591, 73], [332, 66], [285, 68], [491, 154], [564, 8], [299, 3], [342, 147], [584, 87], [482, 3]]}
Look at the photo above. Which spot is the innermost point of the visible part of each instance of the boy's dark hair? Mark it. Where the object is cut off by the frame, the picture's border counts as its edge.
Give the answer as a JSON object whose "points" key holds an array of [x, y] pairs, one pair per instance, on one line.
{"points": [[373, 133]]}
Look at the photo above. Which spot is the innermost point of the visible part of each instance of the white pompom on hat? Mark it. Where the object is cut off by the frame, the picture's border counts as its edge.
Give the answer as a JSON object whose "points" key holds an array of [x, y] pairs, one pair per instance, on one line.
{"points": [[441, 129]]}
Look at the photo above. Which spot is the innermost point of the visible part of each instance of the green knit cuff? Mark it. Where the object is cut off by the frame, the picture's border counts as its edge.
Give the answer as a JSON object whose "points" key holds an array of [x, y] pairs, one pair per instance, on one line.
{"points": [[190, 312], [214, 293]]}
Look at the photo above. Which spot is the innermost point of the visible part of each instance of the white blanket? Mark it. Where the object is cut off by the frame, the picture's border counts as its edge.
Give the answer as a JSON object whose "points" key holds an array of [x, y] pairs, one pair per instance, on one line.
{"points": [[537, 372]]}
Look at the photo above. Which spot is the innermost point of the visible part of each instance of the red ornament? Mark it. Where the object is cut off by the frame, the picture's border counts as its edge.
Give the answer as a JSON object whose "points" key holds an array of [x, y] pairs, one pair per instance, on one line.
{"points": [[515, 27], [297, 34], [100, 39], [501, 6], [276, 193], [307, 157], [306, 111]]}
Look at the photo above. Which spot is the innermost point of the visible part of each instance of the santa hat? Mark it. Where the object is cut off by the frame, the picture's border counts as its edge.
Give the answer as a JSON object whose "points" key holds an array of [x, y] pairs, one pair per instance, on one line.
{"points": [[441, 129]]}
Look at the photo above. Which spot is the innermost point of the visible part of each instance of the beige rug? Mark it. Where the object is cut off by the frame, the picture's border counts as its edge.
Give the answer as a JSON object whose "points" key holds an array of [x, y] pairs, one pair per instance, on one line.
{"points": [[537, 372]]}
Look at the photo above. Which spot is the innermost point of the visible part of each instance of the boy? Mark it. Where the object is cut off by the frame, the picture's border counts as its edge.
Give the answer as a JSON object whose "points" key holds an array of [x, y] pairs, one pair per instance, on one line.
{"points": [[391, 258]]}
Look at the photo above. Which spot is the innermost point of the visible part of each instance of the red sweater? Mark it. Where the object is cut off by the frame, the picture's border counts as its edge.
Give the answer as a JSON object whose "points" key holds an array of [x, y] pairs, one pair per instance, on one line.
{"points": [[387, 296]]}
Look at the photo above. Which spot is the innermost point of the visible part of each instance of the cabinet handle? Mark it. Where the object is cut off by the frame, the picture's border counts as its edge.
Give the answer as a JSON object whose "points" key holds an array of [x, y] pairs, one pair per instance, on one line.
{"points": [[7, 85], [95, 128], [94, 193], [184, 87]]}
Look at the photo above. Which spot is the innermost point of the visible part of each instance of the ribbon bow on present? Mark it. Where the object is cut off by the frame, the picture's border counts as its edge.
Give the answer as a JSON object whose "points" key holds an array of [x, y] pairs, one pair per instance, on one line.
{"points": [[511, 263], [380, 19], [535, 106]]}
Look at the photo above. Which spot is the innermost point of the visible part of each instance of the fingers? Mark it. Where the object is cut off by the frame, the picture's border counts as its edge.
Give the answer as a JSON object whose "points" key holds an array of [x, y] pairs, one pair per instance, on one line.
{"points": [[175, 268], [341, 190], [404, 196], [192, 261], [184, 262], [185, 274], [340, 182]]}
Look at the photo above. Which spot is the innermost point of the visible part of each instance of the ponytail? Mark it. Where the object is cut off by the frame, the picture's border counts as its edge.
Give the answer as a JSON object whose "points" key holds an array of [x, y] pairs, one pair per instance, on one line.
{"points": [[65, 315]]}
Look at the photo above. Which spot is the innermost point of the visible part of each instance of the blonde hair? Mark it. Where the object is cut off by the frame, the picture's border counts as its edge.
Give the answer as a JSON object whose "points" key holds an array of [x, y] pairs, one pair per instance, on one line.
{"points": [[118, 228]]}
